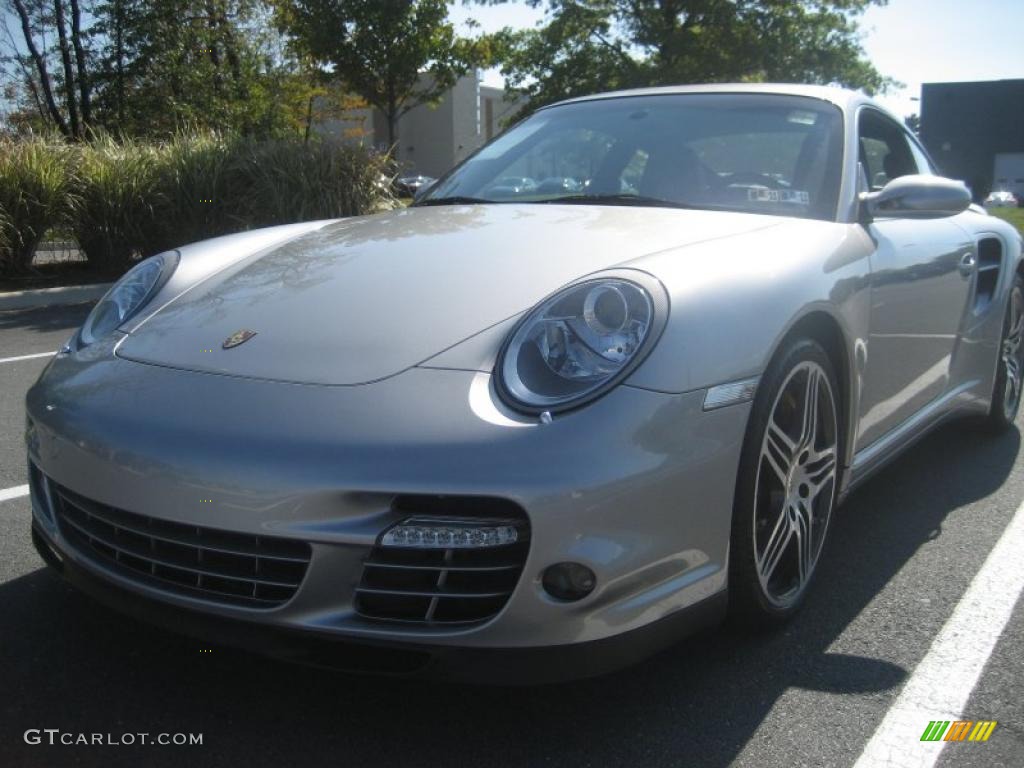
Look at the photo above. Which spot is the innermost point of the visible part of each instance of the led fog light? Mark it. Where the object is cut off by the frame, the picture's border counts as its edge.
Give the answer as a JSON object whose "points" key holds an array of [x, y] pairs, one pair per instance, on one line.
{"points": [[568, 581], [449, 534]]}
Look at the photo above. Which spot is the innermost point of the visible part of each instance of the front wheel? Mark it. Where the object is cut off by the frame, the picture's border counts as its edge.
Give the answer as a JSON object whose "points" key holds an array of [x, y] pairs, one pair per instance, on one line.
{"points": [[1010, 367], [786, 486]]}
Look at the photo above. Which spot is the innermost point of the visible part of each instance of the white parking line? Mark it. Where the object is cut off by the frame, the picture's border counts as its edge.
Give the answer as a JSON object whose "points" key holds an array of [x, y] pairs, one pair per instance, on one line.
{"points": [[942, 682], [14, 493], [26, 357]]}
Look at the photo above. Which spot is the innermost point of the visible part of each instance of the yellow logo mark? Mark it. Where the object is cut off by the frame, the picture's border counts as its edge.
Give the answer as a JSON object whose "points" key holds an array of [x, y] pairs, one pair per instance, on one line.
{"points": [[982, 730]]}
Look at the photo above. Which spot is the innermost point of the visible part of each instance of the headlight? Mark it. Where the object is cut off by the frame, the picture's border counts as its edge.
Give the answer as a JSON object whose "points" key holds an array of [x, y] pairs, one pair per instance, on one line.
{"points": [[580, 342], [127, 296]]}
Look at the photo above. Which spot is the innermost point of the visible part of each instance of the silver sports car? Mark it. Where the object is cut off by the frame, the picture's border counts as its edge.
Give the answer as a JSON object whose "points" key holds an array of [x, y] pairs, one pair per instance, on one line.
{"points": [[537, 436]]}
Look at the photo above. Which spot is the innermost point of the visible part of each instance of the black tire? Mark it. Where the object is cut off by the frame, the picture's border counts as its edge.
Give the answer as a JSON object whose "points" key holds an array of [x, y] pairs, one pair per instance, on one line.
{"points": [[764, 502], [1006, 393]]}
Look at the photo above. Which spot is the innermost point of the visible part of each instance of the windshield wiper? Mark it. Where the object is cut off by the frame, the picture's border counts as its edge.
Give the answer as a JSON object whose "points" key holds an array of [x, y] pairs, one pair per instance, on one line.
{"points": [[618, 199], [453, 200]]}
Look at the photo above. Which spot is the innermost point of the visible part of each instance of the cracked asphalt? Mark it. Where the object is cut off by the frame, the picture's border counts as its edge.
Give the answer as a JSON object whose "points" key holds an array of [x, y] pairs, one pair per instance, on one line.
{"points": [[902, 552]]}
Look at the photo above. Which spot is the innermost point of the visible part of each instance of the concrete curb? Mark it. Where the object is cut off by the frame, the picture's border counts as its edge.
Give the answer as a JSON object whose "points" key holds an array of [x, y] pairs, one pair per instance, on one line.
{"points": [[48, 297]]}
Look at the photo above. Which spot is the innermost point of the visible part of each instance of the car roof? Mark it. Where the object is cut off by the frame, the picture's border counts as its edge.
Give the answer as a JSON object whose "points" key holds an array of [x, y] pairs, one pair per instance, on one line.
{"points": [[843, 98]]}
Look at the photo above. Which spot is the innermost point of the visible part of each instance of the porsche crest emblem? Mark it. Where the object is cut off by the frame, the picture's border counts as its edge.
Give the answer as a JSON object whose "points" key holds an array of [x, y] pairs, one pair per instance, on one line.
{"points": [[238, 337]]}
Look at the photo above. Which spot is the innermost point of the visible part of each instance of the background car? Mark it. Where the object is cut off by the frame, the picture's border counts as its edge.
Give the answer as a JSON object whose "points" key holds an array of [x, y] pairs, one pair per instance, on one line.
{"points": [[560, 184], [410, 186], [511, 186], [1001, 199]]}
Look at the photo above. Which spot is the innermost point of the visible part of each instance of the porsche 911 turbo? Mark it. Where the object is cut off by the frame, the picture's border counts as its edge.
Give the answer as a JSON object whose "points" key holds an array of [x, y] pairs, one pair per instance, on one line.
{"points": [[540, 434]]}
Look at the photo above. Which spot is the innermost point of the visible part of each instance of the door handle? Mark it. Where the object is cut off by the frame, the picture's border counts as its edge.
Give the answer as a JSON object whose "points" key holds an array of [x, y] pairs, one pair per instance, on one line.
{"points": [[967, 262]]}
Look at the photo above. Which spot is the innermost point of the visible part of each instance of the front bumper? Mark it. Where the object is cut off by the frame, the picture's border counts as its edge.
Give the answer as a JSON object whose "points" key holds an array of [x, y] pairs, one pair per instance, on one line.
{"points": [[637, 486], [503, 666]]}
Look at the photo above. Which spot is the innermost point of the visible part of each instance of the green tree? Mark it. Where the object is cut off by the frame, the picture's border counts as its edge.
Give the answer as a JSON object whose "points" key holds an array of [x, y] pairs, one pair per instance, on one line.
{"points": [[585, 46], [395, 54], [150, 67], [184, 62], [50, 54]]}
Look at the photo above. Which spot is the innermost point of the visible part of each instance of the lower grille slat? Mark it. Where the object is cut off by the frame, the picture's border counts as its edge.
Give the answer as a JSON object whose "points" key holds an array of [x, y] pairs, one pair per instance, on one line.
{"points": [[155, 561], [219, 566], [440, 595], [466, 569], [195, 535]]}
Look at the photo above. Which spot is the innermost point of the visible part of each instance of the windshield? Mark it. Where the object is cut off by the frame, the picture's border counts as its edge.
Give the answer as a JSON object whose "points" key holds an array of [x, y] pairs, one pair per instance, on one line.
{"points": [[767, 154]]}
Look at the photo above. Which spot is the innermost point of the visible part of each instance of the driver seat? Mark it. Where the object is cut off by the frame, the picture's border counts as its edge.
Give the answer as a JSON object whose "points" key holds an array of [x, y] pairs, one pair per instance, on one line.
{"points": [[673, 173]]}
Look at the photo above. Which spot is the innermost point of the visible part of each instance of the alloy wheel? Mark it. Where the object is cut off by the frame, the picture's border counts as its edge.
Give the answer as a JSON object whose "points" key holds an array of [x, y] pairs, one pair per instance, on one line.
{"points": [[795, 483], [1013, 354]]}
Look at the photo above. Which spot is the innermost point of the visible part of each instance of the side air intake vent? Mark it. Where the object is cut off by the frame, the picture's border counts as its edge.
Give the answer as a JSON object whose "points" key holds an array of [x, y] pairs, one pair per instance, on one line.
{"points": [[990, 260]]}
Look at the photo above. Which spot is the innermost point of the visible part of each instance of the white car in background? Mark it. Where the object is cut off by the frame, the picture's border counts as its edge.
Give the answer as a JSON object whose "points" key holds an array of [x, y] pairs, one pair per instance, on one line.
{"points": [[1001, 199]]}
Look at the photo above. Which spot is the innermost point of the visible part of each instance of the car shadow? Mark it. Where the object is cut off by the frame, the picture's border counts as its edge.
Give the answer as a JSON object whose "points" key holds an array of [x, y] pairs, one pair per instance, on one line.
{"points": [[68, 663], [46, 319], [59, 317]]}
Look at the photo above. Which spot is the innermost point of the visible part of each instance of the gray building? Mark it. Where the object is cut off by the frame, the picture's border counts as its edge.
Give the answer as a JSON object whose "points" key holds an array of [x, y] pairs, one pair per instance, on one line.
{"points": [[433, 138], [975, 132]]}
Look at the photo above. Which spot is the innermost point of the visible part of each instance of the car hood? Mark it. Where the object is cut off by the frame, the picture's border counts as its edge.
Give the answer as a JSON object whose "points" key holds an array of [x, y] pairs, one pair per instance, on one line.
{"points": [[363, 299]]}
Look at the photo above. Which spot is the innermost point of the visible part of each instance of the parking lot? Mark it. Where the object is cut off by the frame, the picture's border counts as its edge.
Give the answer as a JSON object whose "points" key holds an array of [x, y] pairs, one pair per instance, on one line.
{"points": [[903, 552]]}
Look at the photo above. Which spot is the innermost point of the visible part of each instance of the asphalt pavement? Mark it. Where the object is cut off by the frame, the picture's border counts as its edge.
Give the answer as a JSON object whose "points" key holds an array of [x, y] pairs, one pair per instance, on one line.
{"points": [[902, 553]]}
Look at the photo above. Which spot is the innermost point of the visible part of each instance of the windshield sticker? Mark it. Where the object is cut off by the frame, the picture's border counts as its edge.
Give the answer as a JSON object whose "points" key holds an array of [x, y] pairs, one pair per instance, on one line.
{"points": [[762, 195], [802, 117]]}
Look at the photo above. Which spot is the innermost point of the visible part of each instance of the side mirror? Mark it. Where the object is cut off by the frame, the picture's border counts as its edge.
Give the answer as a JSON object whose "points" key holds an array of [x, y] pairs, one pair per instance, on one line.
{"points": [[917, 197]]}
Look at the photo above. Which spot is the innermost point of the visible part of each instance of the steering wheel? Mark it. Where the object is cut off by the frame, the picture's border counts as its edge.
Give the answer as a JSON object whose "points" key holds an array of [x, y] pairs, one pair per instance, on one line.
{"points": [[751, 177]]}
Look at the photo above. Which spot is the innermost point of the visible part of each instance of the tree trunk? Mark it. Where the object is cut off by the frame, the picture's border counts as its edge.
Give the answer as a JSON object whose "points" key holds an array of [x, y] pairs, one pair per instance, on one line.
{"points": [[34, 90], [211, 24], [84, 87], [392, 113], [119, 56], [392, 118], [44, 75], [69, 73], [227, 36], [309, 119]]}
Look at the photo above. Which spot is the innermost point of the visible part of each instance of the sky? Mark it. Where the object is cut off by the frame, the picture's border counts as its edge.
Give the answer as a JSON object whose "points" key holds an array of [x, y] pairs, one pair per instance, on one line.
{"points": [[913, 41]]}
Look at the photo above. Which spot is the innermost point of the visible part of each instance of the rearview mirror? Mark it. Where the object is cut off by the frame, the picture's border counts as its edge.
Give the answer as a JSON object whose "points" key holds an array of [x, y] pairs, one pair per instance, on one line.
{"points": [[917, 197]]}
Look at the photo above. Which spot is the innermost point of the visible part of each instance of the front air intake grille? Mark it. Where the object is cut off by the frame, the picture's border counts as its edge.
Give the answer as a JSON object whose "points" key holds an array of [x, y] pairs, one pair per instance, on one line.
{"points": [[445, 586], [219, 566]]}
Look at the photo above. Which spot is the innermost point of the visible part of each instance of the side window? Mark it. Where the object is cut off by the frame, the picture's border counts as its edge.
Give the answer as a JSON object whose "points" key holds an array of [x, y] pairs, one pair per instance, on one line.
{"points": [[884, 150]]}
